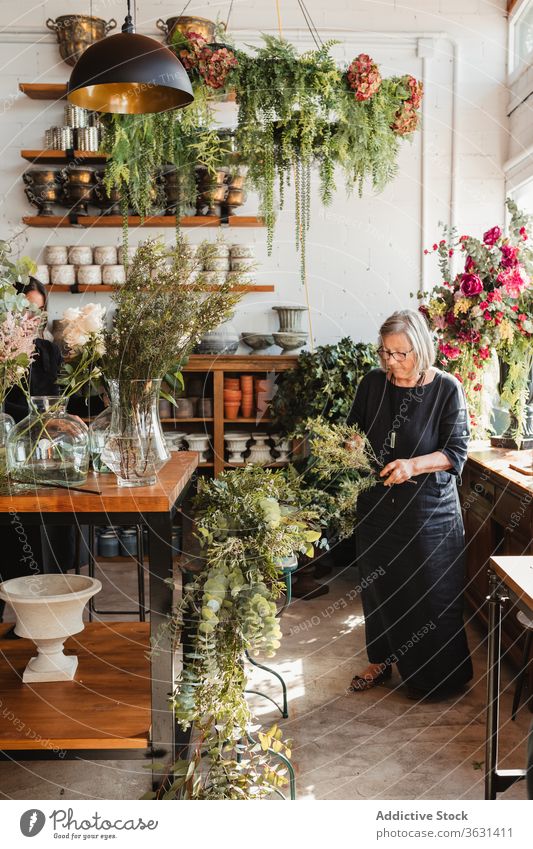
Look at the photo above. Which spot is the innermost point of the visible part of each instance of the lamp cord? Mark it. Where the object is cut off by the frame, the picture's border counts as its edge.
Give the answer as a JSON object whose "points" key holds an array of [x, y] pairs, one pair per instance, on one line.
{"points": [[310, 24]]}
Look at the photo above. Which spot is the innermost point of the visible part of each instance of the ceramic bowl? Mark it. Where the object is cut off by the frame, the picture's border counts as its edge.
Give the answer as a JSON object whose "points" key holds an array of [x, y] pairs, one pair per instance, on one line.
{"points": [[257, 341], [80, 255], [113, 274], [290, 340], [105, 255], [42, 274], [56, 255], [63, 275], [90, 275]]}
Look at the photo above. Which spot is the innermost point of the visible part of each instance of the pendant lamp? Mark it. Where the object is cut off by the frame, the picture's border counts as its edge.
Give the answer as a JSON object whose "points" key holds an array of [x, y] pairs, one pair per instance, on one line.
{"points": [[129, 74]]}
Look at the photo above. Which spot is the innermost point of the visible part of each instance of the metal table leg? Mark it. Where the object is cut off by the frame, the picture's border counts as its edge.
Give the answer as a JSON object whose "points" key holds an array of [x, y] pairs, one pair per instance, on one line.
{"points": [[162, 666], [496, 781]]}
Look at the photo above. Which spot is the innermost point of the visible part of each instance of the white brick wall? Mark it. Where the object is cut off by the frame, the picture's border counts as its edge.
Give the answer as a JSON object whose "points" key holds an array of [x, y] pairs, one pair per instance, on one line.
{"points": [[363, 255]]}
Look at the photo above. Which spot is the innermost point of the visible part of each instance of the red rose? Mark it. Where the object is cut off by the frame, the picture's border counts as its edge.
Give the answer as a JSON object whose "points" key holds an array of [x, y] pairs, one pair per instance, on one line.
{"points": [[509, 256], [471, 285], [491, 236], [469, 264], [523, 233]]}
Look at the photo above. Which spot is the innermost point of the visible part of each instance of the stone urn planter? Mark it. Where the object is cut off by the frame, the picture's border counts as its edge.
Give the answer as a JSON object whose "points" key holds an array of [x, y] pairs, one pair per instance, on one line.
{"points": [[49, 608]]}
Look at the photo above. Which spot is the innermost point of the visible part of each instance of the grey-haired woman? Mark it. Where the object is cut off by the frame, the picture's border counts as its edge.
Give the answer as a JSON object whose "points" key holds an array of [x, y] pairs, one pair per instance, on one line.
{"points": [[410, 530]]}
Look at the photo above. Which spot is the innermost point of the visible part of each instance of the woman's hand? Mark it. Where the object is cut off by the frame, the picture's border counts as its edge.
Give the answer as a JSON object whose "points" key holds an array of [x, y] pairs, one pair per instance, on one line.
{"points": [[398, 471]]}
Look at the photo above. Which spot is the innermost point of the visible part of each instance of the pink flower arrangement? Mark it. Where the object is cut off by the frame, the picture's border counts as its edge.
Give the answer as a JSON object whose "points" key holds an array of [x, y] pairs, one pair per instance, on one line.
{"points": [[18, 332], [487, 306], [213, 66], [363, 77]]}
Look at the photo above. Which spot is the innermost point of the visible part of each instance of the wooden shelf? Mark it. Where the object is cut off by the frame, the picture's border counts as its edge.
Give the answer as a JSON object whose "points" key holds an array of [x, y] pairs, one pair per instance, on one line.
{"points": [[106, 706], [101, 287], [205, 465], [59, 157], [104, 287], [44, 91], [193, 419], [272, 465], [251, 420], [52, 221]]}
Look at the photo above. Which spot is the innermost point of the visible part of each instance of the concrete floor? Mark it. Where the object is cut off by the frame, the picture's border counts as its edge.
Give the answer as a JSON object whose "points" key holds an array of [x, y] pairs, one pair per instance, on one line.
{"points": [[374, 745]]}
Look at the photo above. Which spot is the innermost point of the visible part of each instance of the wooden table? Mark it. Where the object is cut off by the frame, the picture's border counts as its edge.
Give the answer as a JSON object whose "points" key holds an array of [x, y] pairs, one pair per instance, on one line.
{"points": [[509, 577], [118, 704]]}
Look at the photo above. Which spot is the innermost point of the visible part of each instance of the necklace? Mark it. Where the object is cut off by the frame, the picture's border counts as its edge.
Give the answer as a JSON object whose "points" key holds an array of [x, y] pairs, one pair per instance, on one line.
{"points": [[393, 413]]}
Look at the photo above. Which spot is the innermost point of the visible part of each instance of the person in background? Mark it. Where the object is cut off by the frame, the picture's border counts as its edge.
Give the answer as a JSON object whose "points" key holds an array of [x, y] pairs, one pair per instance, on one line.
{"points": [[410, 530]]}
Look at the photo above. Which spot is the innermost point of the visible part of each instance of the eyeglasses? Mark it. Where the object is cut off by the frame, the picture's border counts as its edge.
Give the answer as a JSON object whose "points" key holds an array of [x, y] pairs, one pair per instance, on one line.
{"points": [[399, 356]]}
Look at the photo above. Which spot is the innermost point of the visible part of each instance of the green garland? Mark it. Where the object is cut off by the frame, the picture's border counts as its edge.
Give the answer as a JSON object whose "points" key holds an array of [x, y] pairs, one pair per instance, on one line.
{"points": [[247, 521]]}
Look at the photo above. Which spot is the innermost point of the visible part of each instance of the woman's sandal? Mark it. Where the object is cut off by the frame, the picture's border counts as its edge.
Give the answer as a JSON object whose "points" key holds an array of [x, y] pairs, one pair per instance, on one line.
{"points": [[361, 683]]}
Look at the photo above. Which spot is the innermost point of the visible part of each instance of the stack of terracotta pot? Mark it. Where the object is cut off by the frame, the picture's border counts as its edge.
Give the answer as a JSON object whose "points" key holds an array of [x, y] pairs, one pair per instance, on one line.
{"points": [[232, 397], [247, 389], [261, 396]]}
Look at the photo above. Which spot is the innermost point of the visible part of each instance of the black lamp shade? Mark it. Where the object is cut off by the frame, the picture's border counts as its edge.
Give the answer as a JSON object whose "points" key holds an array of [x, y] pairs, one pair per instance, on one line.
{"points": [[129, 73]]}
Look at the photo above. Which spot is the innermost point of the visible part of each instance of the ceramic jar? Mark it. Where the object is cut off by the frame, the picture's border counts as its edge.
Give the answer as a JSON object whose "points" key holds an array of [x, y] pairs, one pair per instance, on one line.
{"points": [[165, 409], [63, 275], [216, 263], [42, 274], [56, 255], [80, 255], [121, 255], [90, 275], [184, 408], [240, 263], [221, 250], [113, 274], [242, 252], [105, 255]]}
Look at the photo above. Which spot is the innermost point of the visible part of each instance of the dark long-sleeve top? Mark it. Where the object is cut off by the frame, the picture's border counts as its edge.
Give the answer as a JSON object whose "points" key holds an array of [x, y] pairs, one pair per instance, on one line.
{"points": [[43, 374], [424, 419]]}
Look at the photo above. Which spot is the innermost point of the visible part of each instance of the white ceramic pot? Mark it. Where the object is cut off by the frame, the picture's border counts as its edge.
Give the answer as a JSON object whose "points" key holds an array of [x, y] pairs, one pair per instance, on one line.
{"points": [[43, 274], [90, 275], [216, 263], [80, 255], [49, 608], [132, 250], [56, 255], [242, 251], [105, 255], [260, 454], [213, 278], [113, 274], [236, 445], [240, 263], [221, 250], [63, 275], [197, 442]]}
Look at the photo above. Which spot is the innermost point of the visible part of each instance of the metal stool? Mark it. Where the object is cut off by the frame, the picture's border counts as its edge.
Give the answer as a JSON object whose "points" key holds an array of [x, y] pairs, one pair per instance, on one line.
{"points": [[141, 611], [527, 624], [288, 565]]}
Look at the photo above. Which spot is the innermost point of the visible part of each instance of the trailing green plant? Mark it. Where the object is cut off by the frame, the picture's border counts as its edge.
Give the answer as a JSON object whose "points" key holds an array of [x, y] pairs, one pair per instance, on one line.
{"points": [[322, 383], [248, 520]]}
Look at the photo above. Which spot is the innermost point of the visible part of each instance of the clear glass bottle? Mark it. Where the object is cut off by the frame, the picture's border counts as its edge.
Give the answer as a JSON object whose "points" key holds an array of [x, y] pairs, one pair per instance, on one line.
{"points": [[98, 430], [7, 423], [135, 448], [49, 445]]}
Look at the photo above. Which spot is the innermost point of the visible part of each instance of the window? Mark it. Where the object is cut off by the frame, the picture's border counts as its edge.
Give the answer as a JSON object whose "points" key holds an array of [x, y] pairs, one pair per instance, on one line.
{"points": [[521, 35]]}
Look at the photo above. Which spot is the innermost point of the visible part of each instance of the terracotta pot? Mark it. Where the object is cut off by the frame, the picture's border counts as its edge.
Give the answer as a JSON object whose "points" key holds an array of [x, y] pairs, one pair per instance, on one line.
{"points": [[231, 411], [231, 383], [232, 396], [247, 408]]}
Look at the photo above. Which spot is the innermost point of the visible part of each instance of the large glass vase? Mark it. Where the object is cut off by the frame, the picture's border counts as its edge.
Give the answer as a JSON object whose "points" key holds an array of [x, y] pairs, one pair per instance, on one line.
{"points": [[49, 445], [135, 447]]}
